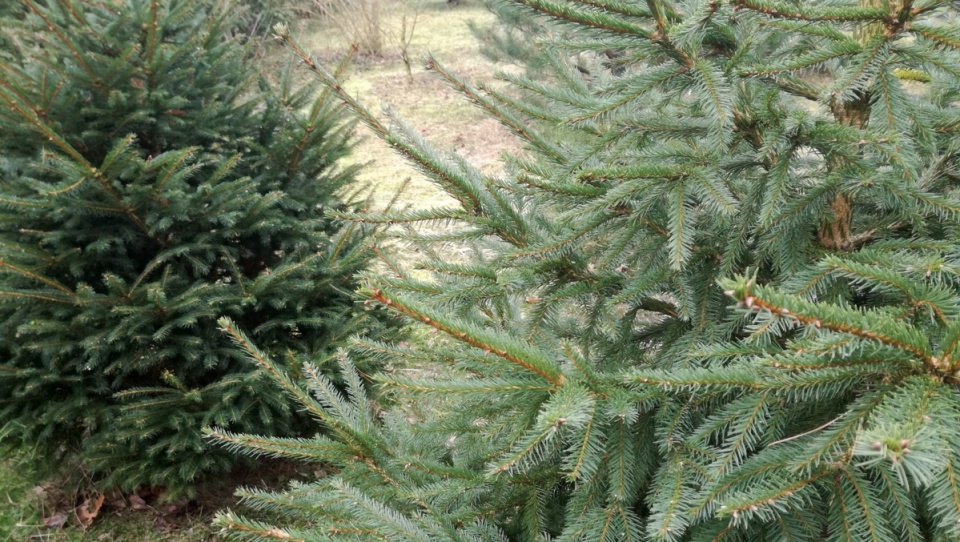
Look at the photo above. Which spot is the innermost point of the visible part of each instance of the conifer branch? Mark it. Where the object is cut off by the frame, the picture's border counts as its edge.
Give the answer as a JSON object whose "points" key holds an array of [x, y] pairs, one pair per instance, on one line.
{"points": [[536, 441], [583, 450], [843, 435], [33, 276], [13, 89], [508, 120], [332, 83], [578, 234], [866, 506], [804, 434], [52, 135], [771, 498], [38, 297], [654, 7], [565, 12], [338, 426], [417, 151], [754, 300], [318, 107], [949, 348], [172, 168], [939, 35], [953, 486], [81, 61], [567, 189], [649, 80], [529, 360], [837, 14], [230, 523], [619, 8], [479, 386], [582, 366]]}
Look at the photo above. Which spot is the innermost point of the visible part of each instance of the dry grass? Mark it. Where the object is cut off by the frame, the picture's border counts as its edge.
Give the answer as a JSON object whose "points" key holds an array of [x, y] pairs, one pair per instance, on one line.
{"points": [[425, 102]]}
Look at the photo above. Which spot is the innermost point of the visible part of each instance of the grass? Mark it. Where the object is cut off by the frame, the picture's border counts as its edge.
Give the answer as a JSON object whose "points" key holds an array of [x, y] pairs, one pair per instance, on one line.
{"points": [[440, 114], [24, 505], [424, 101], [15, 502], [29, 503]]}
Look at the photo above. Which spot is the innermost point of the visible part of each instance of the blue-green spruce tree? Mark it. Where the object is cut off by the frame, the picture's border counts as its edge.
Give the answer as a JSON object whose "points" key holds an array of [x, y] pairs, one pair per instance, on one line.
{"points": [[717, 298]]}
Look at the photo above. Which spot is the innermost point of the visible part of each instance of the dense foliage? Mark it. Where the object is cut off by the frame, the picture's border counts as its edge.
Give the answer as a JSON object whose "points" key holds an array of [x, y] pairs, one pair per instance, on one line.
{"points": [[723, 306], [152, 181]]}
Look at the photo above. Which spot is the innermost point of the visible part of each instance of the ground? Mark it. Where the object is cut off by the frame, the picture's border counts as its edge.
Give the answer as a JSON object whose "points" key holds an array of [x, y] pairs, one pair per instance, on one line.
{"points": [[425, 101], [440, 114]]}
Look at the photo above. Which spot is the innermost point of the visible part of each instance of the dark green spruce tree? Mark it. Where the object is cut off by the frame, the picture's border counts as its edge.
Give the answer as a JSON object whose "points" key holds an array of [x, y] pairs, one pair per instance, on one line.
{"points": [[724, 304], [151, 182]]}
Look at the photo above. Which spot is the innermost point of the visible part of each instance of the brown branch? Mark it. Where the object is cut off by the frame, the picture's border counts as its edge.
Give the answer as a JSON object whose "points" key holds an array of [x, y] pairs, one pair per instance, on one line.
{"points": [[571, 16], [879, 15], [557, 380], [38, 278], [654, 7], [753, 302]]}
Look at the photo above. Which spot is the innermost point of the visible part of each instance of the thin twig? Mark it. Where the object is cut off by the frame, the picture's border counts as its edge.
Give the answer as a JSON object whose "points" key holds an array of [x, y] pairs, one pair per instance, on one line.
{"points": [[810, 432]]}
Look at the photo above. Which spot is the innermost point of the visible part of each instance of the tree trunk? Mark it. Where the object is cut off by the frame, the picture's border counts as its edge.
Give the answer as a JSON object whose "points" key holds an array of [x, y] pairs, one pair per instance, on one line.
{"points": [[834, 233]]}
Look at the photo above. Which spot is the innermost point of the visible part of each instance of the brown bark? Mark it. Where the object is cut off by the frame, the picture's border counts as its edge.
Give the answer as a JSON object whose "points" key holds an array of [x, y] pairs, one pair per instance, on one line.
{"points": [[834, 233]]}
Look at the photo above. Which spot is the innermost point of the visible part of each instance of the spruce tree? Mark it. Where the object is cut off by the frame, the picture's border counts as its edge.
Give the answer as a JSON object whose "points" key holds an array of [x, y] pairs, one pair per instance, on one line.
{"points": [[721, 305], [153, 181]]}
